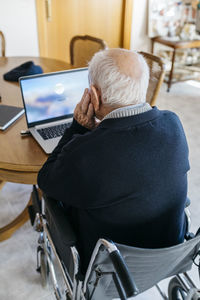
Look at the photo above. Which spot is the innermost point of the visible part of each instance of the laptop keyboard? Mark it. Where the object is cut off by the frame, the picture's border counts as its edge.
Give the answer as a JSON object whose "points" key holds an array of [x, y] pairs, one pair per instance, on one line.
{"points": [[53, 131]]}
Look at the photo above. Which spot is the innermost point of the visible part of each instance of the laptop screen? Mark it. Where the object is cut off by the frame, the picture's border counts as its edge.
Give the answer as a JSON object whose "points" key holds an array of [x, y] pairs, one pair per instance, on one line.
{"points": [[52, 96]]}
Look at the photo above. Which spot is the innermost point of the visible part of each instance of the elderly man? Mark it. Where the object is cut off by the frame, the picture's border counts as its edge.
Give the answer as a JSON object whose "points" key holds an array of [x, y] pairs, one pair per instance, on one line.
{"points": [[125, 177]]}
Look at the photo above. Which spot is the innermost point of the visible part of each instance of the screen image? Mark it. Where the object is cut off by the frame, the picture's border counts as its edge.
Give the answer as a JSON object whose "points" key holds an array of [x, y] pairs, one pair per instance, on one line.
{"points": [[54, 95]]}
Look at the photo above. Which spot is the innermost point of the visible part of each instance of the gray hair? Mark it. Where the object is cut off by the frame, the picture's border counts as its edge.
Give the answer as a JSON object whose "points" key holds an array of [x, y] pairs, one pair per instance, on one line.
{"points": [[116, 87]]}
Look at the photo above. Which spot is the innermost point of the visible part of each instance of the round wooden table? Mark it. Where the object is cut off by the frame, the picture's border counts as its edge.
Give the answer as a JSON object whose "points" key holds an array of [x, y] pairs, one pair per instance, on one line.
{"points": [[20, 157]]}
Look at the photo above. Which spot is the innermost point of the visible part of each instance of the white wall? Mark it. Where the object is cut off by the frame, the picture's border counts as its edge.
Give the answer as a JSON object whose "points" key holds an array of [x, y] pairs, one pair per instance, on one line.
{"points": [[139, 37], [18, 23]]}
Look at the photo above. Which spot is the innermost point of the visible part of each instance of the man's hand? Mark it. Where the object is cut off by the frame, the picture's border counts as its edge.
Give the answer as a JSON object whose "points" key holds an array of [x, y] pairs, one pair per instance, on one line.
{"points": [[84, 111]]}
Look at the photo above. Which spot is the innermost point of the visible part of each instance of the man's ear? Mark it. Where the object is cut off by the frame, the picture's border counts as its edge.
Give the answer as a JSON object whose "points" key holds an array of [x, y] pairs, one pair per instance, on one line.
{"points": [[95, 97]]}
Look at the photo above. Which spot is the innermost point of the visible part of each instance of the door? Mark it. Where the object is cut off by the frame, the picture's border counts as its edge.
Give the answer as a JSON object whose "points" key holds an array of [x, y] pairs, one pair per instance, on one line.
{"points": [[60, 20]]}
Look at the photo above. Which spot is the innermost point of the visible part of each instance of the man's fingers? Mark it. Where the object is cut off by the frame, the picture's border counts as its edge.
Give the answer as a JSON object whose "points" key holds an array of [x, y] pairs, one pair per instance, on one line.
{"points": [[77, 108], [79, 104], [90, 112], [85, 103], [83, 97], [92, 92], [84, 111]]}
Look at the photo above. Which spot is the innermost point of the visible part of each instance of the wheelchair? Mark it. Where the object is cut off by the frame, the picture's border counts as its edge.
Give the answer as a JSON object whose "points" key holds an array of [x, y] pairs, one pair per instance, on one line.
{"points": [[114, 270]]}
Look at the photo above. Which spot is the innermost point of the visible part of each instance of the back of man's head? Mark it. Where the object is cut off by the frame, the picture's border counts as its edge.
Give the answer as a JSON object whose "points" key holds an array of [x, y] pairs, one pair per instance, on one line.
{"points": [[121, 75]]}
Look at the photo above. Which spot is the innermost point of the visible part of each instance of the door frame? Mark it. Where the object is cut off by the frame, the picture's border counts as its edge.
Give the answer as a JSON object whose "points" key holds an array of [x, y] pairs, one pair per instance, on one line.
{"points": [[127, 23], [42, 9]]}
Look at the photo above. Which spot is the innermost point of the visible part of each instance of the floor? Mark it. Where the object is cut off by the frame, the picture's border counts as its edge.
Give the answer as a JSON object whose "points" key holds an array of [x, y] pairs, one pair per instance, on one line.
{"points": [[18, 277]]}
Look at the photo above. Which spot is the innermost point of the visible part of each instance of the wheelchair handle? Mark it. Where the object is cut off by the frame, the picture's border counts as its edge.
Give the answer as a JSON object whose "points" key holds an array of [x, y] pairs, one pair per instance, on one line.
{"points": [[125, 276]]}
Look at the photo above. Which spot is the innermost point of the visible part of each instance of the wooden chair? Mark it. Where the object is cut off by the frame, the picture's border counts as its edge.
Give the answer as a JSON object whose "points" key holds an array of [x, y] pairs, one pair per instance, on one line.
{"points": [[82, 48], [157, 71], [2, 38]]}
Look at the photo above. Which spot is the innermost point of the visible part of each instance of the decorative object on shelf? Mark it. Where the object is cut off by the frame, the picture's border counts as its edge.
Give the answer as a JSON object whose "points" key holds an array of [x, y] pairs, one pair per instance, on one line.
{"points": [[188, 32], [186, 66], [176, 24], [164, 17], [174, 18]]}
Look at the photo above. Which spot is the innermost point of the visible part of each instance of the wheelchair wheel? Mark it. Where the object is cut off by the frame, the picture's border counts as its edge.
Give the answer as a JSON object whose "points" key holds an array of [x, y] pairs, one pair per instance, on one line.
{"points": [[175, 290], [44, 269]]}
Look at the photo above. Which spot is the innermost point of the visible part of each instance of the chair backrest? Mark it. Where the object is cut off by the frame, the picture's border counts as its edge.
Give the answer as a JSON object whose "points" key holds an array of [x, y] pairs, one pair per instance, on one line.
{"points": [[157, 72], [82, 48], [2, 44], [147, 266]]}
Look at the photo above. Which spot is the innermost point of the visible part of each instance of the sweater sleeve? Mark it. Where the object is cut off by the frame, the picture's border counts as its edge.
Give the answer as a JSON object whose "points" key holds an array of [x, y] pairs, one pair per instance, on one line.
{"points": [[68, 135], [52, 176]]}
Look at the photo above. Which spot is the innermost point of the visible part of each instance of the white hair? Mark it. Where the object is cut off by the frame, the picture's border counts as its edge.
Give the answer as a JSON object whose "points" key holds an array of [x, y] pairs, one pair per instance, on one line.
{"points": [[116, 87]]}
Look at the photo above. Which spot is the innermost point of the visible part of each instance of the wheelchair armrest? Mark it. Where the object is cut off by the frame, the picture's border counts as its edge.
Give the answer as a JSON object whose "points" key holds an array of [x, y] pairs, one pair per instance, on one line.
{"points": [[57, 219], [188, 235], [122, 271], [188, 202]]}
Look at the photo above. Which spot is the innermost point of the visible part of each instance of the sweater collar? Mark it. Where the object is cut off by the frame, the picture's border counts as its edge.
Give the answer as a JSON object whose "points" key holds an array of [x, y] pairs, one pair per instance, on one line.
{"points": [[128, 111], [130, 121]]}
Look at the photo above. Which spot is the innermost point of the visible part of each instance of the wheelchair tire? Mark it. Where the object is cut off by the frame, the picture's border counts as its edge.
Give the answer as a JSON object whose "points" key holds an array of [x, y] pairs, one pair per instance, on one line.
{"points": [[175, 290], [44, 269]]}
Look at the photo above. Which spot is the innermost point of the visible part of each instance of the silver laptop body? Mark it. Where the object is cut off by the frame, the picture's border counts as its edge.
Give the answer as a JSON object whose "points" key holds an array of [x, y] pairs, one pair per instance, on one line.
{"points": [[49, 102]]}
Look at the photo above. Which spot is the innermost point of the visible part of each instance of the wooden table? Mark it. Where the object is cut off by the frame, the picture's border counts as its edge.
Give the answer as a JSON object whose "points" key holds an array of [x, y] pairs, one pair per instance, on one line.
{"points": [[20, 158], [175, 45]]}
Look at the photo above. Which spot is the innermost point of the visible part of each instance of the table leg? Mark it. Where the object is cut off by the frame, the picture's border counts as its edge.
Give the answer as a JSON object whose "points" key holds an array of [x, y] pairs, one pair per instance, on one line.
{"points": [[2, 184], [8, 230], [171, 71]]}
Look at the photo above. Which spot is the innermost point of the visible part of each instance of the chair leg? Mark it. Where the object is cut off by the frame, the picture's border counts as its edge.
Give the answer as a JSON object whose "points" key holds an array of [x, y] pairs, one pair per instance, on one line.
{"points": [[2, 184], [171, 71]]}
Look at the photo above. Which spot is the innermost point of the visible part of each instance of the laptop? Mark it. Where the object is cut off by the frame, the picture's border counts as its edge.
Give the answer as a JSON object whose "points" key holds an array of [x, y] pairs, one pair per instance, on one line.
{"points": [[49, 102]]}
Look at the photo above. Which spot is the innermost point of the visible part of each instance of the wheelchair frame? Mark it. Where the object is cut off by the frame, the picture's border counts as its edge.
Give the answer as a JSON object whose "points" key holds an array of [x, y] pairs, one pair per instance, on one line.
{"points": [[180, 285], [76, 289]]}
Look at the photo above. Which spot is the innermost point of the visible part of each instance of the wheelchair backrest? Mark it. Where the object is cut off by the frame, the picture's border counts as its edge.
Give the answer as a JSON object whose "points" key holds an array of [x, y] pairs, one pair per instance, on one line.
{"points": [[147, 266]]}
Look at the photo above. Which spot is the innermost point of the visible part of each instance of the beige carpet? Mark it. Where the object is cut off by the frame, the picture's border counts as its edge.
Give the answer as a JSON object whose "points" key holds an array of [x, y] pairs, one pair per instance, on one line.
{"points": [[18, 278]]}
